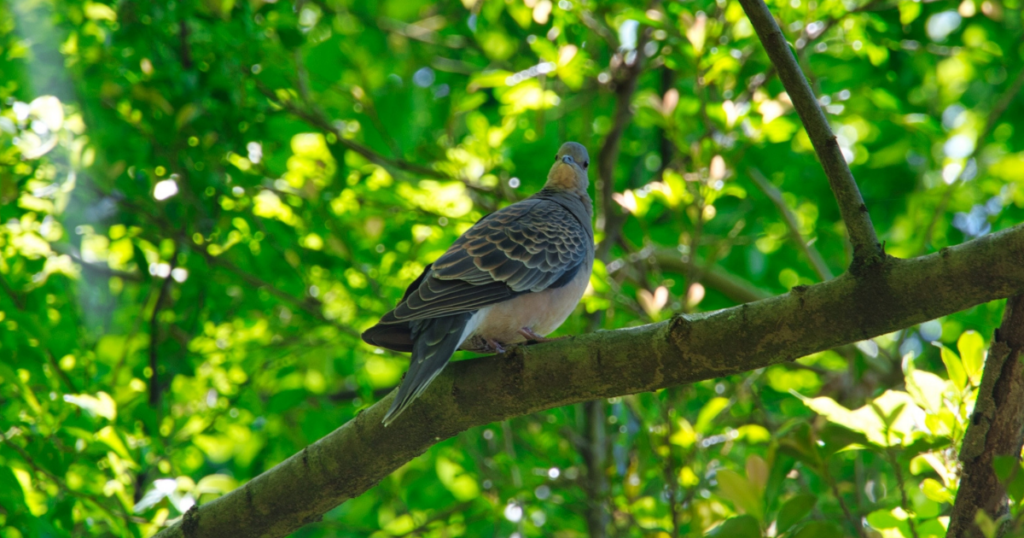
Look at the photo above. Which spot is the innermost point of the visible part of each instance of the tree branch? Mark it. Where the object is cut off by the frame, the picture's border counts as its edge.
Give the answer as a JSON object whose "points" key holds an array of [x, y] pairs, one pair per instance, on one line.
{"points": [[891, 295], [866, 249], [996, 429], [627, 74], [773, 194]]}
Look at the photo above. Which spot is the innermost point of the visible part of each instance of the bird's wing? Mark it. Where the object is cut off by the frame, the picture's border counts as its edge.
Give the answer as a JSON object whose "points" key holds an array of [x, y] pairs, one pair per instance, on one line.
{"points": [[527, 247]]}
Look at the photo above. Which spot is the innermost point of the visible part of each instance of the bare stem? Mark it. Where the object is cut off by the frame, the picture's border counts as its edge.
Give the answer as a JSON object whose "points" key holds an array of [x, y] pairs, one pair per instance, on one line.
{"points": [[866, 249], [773, 194]]}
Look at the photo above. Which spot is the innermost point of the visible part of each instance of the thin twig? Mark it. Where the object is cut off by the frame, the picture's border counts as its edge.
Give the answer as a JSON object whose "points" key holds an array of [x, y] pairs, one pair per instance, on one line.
{"points": [[367, 153], [842, 504], [730, 285], [773, 194], [671, 475], [904, 502], [11, 293], [866, 248], [154, 330], [309, 305]]}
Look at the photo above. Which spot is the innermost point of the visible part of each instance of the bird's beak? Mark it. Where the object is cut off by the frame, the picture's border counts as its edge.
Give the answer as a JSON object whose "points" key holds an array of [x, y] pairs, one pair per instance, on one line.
{"points": [[567, 159]]}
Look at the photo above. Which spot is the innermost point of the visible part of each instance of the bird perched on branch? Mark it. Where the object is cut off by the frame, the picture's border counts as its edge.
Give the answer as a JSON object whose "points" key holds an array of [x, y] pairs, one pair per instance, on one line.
{"points": [[515, 276]]}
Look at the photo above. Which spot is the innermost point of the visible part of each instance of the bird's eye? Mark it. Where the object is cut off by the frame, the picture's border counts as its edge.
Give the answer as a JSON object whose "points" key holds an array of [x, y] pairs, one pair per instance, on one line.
{"points": [[586, 164], [556, 158]]}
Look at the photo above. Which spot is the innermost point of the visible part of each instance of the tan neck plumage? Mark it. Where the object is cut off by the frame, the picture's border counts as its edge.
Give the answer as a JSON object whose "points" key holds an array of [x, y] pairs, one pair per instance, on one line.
{"points": [[565, 178]]}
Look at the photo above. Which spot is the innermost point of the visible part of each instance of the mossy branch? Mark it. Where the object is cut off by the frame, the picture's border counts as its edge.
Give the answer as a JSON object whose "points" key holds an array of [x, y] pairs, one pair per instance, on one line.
{"points": [[891, 295]]}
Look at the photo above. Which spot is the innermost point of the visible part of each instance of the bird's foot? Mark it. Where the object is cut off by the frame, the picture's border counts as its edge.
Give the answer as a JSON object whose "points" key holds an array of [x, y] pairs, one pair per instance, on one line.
{"points": [[532, 336], [495, 346]]}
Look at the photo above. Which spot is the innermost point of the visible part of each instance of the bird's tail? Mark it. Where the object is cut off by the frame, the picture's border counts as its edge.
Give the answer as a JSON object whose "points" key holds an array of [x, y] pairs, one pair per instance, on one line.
{"points": [[434, 342]]}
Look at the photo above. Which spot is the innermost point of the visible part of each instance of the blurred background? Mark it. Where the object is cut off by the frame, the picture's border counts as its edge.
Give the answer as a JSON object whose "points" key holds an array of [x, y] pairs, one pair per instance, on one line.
{"points": [[205, 202]]}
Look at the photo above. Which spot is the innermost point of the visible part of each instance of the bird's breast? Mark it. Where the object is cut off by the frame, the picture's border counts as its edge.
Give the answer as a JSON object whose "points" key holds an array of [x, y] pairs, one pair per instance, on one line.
{"points": [[542, 312]]}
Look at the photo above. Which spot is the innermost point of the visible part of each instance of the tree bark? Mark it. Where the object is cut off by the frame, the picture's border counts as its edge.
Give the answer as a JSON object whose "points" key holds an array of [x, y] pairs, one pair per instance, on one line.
{"points": [[996, 429], [887, 296]]}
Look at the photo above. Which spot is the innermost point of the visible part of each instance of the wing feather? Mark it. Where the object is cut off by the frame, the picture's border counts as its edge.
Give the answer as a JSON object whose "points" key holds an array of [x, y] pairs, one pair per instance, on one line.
{"points": [[526, 247]]}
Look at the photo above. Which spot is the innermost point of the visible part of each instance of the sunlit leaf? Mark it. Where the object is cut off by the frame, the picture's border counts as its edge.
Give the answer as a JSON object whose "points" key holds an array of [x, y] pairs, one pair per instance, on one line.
{"points": [[709, 412], [972, 352], [954, 368], [926, 389]]}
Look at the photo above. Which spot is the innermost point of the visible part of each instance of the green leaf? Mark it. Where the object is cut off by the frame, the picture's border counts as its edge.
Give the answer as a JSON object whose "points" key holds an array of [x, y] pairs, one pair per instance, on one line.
{"points": [[985, 523], [801, 444], [740, 492], [926, 388], [101, 405], [709, 412], [737, 527], [470, 101], [954, 368], [910, 10], [490, 79], [972, 352], [1016, 486], [215, 483], [883, 422], [818, 529], [793, 511], [883, 519], [1004, 466], [460, 483], [935, 491]]}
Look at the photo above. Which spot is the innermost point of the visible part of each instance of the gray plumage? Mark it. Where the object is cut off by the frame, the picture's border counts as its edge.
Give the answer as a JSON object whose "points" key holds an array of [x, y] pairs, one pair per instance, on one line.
{"points": [[515, 275]]}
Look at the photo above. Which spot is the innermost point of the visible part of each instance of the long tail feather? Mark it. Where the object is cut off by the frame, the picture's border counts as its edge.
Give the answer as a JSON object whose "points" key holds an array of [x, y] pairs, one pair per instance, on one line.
{"points": [[434, 342]]}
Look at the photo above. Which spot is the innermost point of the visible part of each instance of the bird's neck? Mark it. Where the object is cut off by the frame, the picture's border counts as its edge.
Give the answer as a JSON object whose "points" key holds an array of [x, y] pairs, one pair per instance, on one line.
{"points": [[578, 198]]}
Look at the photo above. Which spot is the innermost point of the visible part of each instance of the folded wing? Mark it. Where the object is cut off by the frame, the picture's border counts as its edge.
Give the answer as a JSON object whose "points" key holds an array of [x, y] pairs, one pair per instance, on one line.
{"points": [[530, 246]]}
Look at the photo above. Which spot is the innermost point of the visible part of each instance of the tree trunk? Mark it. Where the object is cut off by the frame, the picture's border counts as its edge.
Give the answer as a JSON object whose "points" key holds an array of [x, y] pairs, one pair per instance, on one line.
{"points": [[996, 429]]}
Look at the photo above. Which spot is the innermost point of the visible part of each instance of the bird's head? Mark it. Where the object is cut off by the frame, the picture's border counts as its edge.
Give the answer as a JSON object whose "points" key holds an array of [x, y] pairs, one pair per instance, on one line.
{"points": [[569, 173]]}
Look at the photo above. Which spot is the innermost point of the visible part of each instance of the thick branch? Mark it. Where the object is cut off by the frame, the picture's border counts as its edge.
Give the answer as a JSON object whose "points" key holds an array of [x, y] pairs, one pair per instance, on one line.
{"points": [[996, 429], [844, 187], [775, 196], [886, 297]]}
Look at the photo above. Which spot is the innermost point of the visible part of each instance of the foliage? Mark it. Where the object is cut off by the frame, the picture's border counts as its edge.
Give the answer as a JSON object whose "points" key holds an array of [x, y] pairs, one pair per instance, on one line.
{"points": [[203, 203]]}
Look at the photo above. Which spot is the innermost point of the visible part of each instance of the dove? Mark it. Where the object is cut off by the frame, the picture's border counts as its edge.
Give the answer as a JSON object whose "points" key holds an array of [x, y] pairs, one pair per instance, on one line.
{"points": [[513, 277]]}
